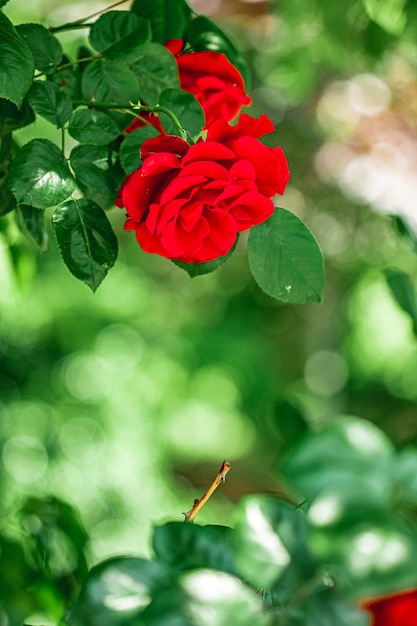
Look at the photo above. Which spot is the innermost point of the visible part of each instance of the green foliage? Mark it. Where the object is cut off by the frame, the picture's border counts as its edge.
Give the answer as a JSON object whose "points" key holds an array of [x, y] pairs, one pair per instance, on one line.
{"points": [[285, 259], [168, 19], [186, 109], [130, 148], [92, 127], [16, 63], [51, 102], [44, 47], [120, 35], [155, 71], [109, 81]]}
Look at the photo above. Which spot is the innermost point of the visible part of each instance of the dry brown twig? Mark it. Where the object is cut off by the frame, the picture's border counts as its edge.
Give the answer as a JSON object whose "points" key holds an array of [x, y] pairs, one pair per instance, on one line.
{"points": [[198, 504]]}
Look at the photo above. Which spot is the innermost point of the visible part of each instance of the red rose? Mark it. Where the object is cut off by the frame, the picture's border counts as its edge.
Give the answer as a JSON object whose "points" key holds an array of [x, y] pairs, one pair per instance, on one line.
{"points": [[189, 202], [216, 83], [147, 118], [399, 609]]}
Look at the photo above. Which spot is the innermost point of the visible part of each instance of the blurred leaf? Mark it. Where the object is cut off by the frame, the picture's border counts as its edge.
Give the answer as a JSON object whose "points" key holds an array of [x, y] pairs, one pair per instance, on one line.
{"points": [[206, 598], [199, 269], [120, 35], [45, 48], [327, 608], [404, 293], [187, 110], [15, 579], [289, 420], [285, 259], [16, 63], [7, 200], [116, 592], [92, 167], [131, 145], [85, 240], [12, 118], [168, 19], [188, 546], [405, 476], [406, 231], [49, 101], [94, 127], [39, 175], [156, 71], [203, 34], [269, 541], [32, 222], [348, 461], [389, 14], [111, 82]]}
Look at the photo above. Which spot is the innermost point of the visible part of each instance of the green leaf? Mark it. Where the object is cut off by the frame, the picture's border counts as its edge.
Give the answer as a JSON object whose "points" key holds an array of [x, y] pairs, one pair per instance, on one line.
{"points": [[187, 110], [7, 200], [199, 269], [270, 541], [32, 222], [156, 71], [203, 34], [45, 48], [85, 240], [406, 231], [168, 19], [350, 459], [131, 145], [109, 81], [285, 259], [16, 63], [12, 118], [206, 597], [120, 35], [290, 421], [388, 14], [39, 175], [49, 101], [116, 591], [187, 546], [95, 127], [93, 168], [404, 293]]}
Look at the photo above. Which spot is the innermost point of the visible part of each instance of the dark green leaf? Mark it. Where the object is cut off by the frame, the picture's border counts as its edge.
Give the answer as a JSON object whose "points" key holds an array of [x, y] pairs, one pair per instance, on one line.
{"points": [[93, 168], [187, 110], [404, 293], [156, 71], [16, 63], [32, 223], [45, 48], [68, 79], [269, 541], [289, 420], [12, 118], [388, 14], [131, 145], [168, 19], [187, 546], [328, 608], [203, 34], [116, 592], [120, 35], [39, 175], [406, 231], [50, 102], [85, 240], [110, 82], [285, 259], [3, 2], [206, 597], [199, 269], [7, 200], [95, 127]]}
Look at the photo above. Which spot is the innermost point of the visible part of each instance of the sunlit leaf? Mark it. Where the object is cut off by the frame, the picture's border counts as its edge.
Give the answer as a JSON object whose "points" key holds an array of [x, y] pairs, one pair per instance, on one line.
{"points": [[285, 259], [85, 240], [39, 175], [389, 14], [16, 63]]}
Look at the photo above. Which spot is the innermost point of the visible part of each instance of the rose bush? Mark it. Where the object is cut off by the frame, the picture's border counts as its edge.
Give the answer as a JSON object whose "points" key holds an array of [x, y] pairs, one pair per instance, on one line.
{"points": [[188, 202], [399, 609]]}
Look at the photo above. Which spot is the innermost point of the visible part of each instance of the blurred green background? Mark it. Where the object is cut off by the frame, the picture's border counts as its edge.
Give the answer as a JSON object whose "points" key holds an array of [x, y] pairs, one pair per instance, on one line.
{"points": [[125, 403]]}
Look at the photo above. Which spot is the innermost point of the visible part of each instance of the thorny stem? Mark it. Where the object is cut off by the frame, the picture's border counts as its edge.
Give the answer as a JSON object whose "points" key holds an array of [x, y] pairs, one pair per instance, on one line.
{"points": [[198, 504], [81, 23]]}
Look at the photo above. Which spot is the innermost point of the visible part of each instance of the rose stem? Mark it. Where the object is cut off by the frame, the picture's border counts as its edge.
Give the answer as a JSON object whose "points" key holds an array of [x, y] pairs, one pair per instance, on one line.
{"points": [[198, 504]]}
